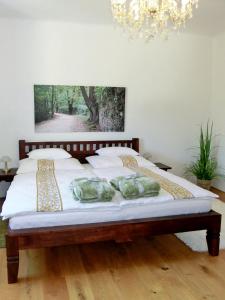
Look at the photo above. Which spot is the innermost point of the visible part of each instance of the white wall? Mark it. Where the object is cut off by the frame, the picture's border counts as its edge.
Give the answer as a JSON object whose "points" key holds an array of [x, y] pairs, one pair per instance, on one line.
{"points": [[168, 83], [218, 102]]}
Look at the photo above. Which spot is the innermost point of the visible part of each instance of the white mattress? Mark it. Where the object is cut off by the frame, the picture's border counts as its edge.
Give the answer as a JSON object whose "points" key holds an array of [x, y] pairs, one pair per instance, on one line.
{"points": [[169, 208]]}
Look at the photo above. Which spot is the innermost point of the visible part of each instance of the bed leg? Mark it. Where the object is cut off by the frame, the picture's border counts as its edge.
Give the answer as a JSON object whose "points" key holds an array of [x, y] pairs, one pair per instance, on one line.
{"points": [[213, 241], [12, 252]]}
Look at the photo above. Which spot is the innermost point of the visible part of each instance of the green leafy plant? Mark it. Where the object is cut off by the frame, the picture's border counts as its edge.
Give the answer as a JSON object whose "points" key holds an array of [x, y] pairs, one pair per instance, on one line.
{"points": [[206, 165]]}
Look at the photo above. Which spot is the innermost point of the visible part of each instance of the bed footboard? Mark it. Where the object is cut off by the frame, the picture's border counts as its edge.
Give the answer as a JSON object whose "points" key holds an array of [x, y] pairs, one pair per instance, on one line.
{"points": [[119, 231]]}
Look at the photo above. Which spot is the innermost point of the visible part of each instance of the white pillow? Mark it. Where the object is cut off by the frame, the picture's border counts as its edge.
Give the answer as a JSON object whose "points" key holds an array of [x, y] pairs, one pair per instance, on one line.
{"points": [[49, 153], [29, 165], [116, 151], [100, 162]]}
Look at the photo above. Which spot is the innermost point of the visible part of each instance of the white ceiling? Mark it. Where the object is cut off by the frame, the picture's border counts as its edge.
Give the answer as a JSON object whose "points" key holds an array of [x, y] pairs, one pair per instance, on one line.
{"points": [[208, 19]]}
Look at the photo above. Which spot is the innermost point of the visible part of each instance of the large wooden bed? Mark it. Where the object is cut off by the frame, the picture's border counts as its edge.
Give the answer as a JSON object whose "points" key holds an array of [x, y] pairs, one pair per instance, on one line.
{"points": [[118, 230]]}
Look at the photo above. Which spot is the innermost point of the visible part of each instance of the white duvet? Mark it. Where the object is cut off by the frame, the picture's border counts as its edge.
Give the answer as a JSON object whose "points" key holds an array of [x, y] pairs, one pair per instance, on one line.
{"points": [[22, 195]]}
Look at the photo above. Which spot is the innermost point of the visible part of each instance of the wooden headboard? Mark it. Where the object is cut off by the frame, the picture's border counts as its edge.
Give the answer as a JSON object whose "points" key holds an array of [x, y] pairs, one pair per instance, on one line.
{"points": [[79, 150]]}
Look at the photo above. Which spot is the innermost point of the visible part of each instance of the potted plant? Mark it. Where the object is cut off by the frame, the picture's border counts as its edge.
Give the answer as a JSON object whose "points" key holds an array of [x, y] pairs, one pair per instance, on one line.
{"points": [[205, 167]]}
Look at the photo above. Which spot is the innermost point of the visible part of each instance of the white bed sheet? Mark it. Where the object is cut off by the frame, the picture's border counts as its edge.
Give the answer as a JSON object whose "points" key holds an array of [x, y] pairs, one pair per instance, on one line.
{"points": [[169, 208], [20, 204]]}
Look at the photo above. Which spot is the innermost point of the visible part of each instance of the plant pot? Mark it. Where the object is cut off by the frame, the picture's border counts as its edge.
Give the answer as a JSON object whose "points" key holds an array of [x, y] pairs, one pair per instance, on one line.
{"points": [[205, 184]]}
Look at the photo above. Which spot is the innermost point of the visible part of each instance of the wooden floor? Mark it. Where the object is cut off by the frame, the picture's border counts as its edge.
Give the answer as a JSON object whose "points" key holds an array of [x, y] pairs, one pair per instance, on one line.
{"points": [[219, 193], [157, 268]]}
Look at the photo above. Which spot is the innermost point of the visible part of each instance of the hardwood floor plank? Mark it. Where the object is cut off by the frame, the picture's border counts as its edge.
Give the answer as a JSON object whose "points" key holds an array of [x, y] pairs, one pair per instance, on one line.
{"points": [[95, 263], [155, 273], [191, 268], [79, 286], [221, 194], [159, 268]]}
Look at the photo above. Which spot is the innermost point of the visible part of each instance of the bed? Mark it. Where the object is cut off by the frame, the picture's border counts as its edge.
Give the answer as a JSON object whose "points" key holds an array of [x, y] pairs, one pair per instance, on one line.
{"points": [[24, 231]]}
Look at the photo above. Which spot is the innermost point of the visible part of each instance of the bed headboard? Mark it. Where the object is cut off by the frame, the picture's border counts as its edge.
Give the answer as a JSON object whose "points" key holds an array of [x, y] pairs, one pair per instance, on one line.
{"points": [[79, 150]]}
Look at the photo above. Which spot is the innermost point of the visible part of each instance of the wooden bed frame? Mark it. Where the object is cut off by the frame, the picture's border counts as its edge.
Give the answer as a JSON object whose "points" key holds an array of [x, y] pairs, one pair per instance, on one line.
{"points": [[119, 231]]}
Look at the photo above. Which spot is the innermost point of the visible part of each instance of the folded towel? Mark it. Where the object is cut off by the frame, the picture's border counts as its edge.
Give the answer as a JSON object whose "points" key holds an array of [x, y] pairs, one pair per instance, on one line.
{"points": [[115, 182], [92, 190], [147, 186], [136, 186]]}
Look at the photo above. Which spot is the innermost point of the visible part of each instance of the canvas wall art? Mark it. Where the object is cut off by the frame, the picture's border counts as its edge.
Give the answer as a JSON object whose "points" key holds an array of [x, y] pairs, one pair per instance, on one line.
{"points": [[61, 108]]}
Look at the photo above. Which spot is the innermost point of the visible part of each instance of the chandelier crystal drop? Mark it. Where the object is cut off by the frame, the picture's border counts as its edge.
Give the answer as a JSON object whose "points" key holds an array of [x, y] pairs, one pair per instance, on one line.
{"points": [[148, 18]]}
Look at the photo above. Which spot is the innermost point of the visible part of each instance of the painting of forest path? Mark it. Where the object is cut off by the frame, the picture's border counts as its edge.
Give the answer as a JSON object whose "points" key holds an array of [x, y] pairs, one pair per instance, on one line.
{"points": [[60, 108]]}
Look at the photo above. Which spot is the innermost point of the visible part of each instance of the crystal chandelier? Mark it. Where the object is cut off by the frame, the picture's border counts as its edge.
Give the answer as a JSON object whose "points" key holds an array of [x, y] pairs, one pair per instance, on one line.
{"points": [[148, 18]]}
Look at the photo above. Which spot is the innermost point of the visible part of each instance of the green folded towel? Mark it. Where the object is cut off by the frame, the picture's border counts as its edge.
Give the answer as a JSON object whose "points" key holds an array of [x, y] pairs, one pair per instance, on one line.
{"points": [[92, 190], [136, 186], [147, 186], [115, 182]]}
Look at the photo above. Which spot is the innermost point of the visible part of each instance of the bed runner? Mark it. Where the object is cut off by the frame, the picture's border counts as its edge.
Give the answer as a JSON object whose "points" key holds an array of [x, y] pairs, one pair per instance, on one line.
{"points": [[176, 190], [48, 194]]}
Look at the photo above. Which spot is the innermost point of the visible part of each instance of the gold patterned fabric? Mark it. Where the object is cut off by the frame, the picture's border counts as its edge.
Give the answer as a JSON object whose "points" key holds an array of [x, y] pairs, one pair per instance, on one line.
{"points": [[48, 194], [177, 191], [45, 165]]}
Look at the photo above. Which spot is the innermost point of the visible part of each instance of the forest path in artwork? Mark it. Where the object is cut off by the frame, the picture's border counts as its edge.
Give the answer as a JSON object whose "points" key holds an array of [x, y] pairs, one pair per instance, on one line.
{"points": [[63, 123], [61, 108]]}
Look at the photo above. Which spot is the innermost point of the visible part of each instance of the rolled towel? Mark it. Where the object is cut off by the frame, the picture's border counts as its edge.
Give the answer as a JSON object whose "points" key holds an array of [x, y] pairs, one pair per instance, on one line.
{"points": [[129, 188], [115, 181], [136, 186], [92, 190], [83, 189], [147, 186], [105, 191]]}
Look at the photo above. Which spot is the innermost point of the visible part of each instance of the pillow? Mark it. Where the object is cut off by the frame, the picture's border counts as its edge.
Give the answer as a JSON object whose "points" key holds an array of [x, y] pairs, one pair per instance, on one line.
{"points": [[116, 151], [100, 162], [49, 153], [28, 165]]}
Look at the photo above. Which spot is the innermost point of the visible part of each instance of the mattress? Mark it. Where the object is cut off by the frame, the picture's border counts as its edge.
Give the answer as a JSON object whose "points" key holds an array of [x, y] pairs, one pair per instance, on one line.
{"points": [[168, 208]]}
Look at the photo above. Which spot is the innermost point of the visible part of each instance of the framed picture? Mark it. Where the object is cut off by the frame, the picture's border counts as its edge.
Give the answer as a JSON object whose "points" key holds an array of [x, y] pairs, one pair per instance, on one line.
{"points": [[61, 108]]}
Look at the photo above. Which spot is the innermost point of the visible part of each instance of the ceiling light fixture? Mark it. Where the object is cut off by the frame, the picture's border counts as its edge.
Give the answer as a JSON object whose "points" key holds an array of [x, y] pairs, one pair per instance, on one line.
{"points": [[149, 18]]}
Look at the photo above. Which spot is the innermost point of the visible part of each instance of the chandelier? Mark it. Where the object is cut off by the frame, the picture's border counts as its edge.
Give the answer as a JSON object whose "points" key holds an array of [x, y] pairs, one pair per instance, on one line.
{"points": [[148, 18]]}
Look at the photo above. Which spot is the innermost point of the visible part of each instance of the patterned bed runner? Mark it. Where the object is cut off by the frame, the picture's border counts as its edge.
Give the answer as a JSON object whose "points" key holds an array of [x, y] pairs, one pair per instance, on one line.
{"points": [[176, 190], [48, 194]]}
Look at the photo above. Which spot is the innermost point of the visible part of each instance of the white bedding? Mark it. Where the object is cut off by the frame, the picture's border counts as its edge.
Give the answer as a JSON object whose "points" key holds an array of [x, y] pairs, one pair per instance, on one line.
{"points": [[168, 208], [21, 199], [29, 165]]}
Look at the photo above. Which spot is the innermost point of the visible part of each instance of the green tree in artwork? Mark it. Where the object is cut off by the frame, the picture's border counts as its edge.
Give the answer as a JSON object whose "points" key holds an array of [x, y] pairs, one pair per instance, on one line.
{"points": [[71, 94], [91, 102], [111, 109], [43, 102]]}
